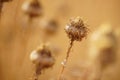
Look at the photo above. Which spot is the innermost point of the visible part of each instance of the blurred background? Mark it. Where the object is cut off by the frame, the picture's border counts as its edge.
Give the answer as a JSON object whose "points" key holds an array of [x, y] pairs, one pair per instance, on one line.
{"points": [[18, 37]]}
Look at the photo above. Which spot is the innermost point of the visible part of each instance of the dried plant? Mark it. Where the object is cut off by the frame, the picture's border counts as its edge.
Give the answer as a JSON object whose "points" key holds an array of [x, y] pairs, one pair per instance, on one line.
{"points": [[32, 8], [76, 31], [49, 26], [42, 58], [103, 48]]}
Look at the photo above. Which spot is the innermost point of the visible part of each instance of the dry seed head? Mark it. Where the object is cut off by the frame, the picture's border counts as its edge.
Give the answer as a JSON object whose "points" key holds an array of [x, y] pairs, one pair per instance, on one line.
{"points": [[32, 8], [76, 29], [42, 57], [49, 26]]}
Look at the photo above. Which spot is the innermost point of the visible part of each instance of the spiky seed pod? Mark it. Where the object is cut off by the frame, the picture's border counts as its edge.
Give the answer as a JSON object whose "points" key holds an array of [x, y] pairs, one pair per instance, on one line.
{"points": [[49, 26], [42, 58], [32, 8], [76, 29]]}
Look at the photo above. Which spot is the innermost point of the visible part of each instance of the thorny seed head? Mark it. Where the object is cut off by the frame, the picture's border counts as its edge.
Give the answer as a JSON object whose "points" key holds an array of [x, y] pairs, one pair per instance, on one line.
{"points": [[42, 58], [49, 26], [76, 29], [32, 8]]}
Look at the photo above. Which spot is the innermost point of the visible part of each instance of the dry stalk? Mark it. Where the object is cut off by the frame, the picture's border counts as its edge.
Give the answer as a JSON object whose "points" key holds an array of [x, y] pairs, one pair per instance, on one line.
{"points": [[65, 60]]}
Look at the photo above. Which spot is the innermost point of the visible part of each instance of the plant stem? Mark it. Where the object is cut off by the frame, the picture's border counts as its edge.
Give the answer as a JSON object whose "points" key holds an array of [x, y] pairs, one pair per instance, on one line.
{"points": [[36, 77], [36, 74], [0, 9], [66, 59]]}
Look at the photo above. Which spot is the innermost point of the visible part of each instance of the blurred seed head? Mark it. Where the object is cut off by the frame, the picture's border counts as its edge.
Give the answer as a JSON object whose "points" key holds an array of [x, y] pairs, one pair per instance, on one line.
{"points": [[104, 37], [32, 8], [103, 45], [76, 29], [42, 58], [49, 26]]}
